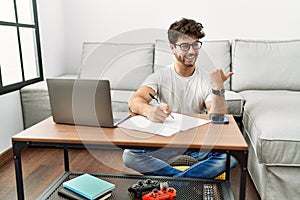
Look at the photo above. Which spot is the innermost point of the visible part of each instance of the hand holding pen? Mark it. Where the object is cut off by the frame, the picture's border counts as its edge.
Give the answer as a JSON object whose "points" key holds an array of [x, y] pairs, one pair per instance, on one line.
{"points": [[162, 104]]}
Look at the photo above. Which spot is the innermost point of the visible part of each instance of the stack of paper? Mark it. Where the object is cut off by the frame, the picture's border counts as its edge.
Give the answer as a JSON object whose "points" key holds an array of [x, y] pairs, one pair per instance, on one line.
{"points": [[89, 186], [167, 128]]}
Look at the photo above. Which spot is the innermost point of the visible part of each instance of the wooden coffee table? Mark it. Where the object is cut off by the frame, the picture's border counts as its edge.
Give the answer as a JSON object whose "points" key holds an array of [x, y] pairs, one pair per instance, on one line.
{"points": [[218, 138]]}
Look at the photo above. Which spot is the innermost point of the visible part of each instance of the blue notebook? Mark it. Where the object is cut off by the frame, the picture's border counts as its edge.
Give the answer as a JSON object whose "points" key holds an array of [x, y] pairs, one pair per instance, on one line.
{"points": [[89, 186]]}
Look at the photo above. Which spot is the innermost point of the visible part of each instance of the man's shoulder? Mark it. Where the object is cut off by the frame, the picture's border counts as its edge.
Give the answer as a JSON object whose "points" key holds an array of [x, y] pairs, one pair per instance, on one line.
{"points": [[165, 69], [160, 75]]}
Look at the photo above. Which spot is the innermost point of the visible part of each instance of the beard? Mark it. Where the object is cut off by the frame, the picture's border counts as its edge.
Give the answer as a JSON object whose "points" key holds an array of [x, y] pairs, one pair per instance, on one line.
{"points": [[187, 60]]}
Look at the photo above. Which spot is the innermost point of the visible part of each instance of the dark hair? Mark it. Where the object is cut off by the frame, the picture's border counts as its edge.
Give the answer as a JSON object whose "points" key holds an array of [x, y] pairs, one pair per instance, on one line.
{"points": [[186, 27]]}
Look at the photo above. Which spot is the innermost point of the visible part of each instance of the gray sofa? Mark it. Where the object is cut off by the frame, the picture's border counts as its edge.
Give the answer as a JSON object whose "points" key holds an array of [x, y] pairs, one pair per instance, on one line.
{"points": [[263, 91], [126, 65]]}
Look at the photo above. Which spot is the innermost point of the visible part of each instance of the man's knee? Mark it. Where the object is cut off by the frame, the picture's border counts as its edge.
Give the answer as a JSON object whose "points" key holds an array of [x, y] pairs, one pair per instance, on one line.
{"points": [[130, 157], [127, 157]]}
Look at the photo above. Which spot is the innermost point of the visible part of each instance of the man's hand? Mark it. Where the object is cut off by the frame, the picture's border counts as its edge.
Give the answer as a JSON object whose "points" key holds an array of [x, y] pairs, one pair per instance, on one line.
{"points": [[159, 112], [217, 78]]}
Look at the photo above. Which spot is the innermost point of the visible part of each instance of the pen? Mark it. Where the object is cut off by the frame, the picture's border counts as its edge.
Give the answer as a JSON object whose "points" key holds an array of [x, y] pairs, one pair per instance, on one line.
{"points": [[153, 97]]}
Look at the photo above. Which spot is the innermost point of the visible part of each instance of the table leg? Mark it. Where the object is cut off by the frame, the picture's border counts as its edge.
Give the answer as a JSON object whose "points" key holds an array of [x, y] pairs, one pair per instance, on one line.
{"points": [[227, 175], [66, 158], [17, 148], [242, 157], [243, 176]]}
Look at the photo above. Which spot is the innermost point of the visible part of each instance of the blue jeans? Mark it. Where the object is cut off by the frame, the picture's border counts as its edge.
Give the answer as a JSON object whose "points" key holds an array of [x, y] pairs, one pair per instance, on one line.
{"points": [[151, 162]]}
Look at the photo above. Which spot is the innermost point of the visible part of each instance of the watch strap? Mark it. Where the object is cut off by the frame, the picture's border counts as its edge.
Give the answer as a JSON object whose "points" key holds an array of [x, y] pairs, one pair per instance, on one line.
{"points": [[218, 92]]}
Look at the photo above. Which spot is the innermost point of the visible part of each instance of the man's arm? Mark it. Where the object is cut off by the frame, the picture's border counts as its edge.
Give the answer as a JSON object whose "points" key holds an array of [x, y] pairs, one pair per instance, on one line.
{"points": [[139, 104], [218, 104]]}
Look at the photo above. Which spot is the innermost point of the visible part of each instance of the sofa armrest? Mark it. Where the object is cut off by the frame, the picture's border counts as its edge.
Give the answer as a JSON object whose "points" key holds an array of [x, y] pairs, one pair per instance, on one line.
{"points": [[35, 102], [235, 103]]}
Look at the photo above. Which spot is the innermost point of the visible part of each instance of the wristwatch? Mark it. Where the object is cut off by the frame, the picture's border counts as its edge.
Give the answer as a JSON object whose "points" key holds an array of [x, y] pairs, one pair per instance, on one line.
{"points": [[218, 92]]}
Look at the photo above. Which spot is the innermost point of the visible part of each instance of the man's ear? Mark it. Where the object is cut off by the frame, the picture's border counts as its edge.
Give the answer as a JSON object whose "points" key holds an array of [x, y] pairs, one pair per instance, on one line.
{"points": [[172, 47]]}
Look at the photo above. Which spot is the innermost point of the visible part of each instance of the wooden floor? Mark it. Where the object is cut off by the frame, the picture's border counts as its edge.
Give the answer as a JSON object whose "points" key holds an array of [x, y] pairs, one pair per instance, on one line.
{"points": [[41, 167]]}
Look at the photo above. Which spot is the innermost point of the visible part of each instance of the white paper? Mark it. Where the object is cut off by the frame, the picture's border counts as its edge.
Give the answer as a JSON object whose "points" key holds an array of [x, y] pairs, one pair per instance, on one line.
{"points": [[169, 127]]}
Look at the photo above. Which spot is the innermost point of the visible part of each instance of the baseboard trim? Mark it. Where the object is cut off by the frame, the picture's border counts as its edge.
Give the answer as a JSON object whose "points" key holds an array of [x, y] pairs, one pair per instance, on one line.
{"points": [[6, 156]]}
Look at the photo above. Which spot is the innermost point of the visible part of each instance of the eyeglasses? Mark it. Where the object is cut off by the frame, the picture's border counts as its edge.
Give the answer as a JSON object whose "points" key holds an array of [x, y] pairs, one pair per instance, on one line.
{"points": [[186, 46]]}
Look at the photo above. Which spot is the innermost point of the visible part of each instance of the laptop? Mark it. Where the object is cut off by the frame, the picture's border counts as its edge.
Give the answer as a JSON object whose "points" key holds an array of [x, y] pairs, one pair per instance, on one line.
{"points": [[83, 102]]}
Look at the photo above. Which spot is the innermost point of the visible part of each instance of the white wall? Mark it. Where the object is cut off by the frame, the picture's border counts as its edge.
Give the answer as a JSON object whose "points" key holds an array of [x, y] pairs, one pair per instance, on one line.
{"points": [[52, 36], [94, 20], [10, 118]]}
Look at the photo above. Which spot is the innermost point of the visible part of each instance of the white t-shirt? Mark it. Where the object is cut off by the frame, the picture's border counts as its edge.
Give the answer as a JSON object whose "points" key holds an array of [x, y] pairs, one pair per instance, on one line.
{"points": [[185, 95]]}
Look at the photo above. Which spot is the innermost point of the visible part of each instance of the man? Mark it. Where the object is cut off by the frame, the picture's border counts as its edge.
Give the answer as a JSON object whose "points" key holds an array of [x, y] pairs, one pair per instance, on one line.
{"points": [[181, 88]]}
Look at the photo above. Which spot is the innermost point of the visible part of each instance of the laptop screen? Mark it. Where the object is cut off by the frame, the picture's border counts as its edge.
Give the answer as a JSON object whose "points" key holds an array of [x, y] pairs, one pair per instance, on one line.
{"points": [[81, 102]]}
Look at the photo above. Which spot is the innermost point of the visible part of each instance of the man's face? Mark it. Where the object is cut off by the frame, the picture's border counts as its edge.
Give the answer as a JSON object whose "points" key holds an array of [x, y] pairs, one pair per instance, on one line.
{"points": [[185, 56]]}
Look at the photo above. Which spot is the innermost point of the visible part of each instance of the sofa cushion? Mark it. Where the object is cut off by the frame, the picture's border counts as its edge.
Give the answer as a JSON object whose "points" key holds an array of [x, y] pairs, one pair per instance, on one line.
{"points": [[272, 123], [125, 65], [120, 100], [212, 54], [266, 65]]}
